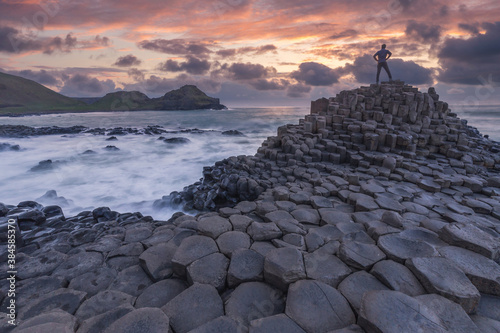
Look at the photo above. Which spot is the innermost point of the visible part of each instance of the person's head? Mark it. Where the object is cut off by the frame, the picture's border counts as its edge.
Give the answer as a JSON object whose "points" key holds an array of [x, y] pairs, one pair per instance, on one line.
{"points": [[383, 46]]}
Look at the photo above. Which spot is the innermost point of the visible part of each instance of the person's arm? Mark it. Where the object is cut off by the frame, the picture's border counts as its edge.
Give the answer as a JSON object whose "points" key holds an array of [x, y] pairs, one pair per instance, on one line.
{"points": [[375, 57], [389, 54]]}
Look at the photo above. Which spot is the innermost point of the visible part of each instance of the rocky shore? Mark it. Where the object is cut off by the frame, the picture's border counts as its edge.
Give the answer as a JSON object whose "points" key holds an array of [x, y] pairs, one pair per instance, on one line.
{"points": [[378, 212]]}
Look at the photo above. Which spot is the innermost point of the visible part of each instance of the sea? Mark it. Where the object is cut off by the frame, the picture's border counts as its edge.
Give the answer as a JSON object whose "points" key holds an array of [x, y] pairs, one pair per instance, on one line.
{"points": [[145, 168]]}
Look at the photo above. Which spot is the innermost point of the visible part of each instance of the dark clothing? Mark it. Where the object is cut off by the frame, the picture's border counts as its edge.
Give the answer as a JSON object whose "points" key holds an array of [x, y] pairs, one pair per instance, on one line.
{"points": [[384, 65], [382, 55]]}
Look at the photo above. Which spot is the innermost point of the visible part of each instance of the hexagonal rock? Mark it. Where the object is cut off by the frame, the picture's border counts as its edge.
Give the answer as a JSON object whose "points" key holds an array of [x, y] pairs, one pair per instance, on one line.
{"points": [[486, 324], [360, 255], [101, 322], [277, 323], [160, 293], [132, 280], [42, 264], [399, 249], [245, 266], [79, 264], [429, 185], [393, 219], [452, 314], [194, 307], [66, 299], [278, 215], [284, 266], [264, 231], [240, 222], [390, 204], [393, 312], [484, 273], [143, 320], [192, 248], [356, 285], [102, 302], [333, 216], [317, 307], [230, 241], [320, 202], [220, 324], [157, 261], [365, 204], [489, 306], [214, 226], [307, 216], [54, 321], [471, 238], [211, 270], [397, 277], [441, 276], [253, 300], [326, 268]]}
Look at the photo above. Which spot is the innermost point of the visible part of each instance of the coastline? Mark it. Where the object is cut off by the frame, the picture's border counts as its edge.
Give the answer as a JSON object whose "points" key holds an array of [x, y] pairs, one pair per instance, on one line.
{"points": [[356, 208]]}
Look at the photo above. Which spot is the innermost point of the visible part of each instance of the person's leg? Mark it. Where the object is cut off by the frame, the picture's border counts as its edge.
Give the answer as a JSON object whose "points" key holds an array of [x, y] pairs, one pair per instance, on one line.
{"points": [[379, 68], [386, 67]]}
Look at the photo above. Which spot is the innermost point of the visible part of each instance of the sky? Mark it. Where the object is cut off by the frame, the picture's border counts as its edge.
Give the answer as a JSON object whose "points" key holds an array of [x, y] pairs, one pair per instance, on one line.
{"points": [[253, 52]]}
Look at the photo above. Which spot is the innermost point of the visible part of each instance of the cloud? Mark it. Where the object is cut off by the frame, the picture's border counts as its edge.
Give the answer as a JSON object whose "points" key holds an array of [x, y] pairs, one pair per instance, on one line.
{"points": [[42, 76], [252, 50], [473, 60], [422, 32], [364, 70], [80, 85], [136, 74], [344, 34], [275, 84], [242, 71], [155, 86], [176, 47], [298, 90], [193, 66], [127, 61], [472, 28], [315, 74]]}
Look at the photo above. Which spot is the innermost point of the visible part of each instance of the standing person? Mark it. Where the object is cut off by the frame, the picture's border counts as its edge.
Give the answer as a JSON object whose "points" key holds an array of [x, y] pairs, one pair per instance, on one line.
{"points": [[381, 57]]}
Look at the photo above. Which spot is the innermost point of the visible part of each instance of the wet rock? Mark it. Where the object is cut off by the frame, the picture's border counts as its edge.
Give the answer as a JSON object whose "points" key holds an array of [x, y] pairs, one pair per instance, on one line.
{"points": [[441, 276], [392, 311], [232, 133], [43, 264], [317, 307], [253, 300], [245, 266], [94, 281], [194, 307], [397, 277], [284, 266], [211, 269], [144, 319], [78, 264], [178, 140]]}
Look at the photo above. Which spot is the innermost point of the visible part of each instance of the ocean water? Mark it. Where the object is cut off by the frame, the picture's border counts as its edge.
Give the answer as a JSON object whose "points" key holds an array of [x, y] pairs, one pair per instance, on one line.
{"points": [[144, 168]]}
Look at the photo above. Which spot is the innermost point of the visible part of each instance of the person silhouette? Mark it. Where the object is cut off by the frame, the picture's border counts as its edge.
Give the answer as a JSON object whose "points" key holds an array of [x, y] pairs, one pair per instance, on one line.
{"points": [[381, 57]]}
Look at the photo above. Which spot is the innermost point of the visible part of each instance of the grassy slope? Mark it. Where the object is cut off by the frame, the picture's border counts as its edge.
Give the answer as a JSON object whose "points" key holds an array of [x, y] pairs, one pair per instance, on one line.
{"points": [[19, 96]]}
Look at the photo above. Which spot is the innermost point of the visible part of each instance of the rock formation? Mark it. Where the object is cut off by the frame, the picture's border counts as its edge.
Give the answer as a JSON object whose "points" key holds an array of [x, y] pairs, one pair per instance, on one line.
{"points": [[378, 212]]}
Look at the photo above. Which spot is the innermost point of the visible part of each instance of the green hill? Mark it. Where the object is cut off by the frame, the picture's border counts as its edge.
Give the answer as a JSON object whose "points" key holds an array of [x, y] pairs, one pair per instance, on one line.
{"points": [[121, 101], [20, 95], [187, 97]]}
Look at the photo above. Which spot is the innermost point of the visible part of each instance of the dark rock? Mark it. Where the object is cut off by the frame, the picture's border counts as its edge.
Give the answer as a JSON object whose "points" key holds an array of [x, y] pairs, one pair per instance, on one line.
{"points": [[131, 280], [399, 249], [397, 277], [64, 299], [94, 281], [160, 293], [100, 322], [194, 307], [157, 261], [53, 321], [360, 255], [230, 241], [103, 302], [42, 264], [233, 133], [356, 285], [264, 231], [45, 166], [284, 266], [78, 264], [179, 140], [111, 148], [214, 226], [220, 324], [141, 320], [245, 266], [190, 250], [392, 311], [489, 306], [211, 269], [326, 268], [441, 276], [276, 323], [317, 307]]}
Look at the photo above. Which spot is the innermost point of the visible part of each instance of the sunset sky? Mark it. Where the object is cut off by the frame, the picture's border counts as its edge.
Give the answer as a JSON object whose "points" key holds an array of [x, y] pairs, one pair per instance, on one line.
{"points": [[253, 52]]}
